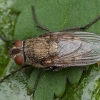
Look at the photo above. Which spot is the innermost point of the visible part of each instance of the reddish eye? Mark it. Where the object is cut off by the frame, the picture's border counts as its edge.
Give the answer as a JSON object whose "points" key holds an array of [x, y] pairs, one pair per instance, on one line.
{"points": [[18, 43], [19, 59]]}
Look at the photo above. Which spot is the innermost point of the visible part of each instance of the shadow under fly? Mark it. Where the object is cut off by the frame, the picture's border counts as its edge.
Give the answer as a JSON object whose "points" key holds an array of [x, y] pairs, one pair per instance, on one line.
{"points": [[56, 50]]}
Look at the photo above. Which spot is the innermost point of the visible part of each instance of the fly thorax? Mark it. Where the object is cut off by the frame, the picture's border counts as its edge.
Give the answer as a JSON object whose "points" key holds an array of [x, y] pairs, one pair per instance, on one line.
{"points": [[35, 50], [53, 47]]}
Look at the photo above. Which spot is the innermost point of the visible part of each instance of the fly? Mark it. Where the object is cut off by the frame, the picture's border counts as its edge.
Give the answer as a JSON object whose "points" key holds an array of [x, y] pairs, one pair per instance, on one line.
{"points": [[57, 50]]}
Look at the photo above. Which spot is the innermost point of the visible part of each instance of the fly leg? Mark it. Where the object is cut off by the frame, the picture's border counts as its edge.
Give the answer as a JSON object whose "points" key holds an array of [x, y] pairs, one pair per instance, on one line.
{"points": [[13, 72], [54, 68], [39, 75], [82, 68], [83, 27], [36, 21], [6, 40], [37, 80]]}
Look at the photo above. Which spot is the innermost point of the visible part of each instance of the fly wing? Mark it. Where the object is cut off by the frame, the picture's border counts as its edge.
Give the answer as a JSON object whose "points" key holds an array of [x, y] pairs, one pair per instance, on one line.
{"points": [[80, 50]]}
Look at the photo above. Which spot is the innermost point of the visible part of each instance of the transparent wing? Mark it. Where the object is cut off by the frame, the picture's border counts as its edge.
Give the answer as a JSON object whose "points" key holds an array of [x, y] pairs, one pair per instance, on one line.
{"points": [[76, 49]]}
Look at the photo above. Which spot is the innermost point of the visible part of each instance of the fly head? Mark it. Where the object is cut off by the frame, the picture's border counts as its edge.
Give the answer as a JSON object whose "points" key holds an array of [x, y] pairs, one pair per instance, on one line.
{"points": [[16, 52]]}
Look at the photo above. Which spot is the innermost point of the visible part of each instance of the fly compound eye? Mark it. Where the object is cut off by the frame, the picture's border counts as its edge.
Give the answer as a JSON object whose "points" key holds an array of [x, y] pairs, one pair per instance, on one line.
{"points": [[19, 59], [18, 43]]}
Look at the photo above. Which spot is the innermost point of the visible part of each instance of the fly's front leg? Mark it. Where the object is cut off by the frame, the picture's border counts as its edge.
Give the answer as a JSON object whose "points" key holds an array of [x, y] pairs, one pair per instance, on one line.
{"points": [[13, 72], [83, 27], [36, 21], [6, 40]]}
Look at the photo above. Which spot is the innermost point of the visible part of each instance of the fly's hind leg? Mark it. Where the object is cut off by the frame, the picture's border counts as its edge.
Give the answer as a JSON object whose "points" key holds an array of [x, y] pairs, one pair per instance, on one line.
{"points": [[82, 68], [36, 21], [40, 73], [83, 27], [37, 80]]}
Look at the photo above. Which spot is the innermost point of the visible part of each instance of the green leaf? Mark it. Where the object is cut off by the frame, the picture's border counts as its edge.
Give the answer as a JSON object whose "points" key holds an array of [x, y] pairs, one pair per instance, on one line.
{"points": [[54, 20], [88, 89], [14, 87], [53, 16], [50, 84], [56, 15], [5, 28], [74, 75]]}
